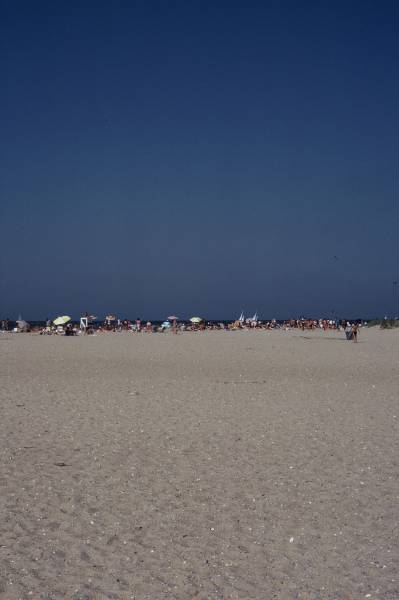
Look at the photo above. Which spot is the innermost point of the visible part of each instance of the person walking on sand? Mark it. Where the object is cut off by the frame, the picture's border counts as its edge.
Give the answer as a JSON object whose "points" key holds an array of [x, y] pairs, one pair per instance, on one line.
{"points": [[355, 329], [348, 331]]}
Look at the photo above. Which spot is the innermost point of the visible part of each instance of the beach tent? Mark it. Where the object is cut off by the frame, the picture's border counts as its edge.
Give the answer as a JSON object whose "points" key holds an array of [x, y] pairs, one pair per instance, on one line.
{"points": [[22, 325]]}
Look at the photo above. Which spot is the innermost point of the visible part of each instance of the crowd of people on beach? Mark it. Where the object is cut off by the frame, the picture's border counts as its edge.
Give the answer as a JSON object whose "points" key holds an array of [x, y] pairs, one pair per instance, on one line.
{"points": [[89, 325]]}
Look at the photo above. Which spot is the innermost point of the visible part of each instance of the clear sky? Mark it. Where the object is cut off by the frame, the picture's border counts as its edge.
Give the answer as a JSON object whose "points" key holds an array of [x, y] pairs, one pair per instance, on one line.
{"points": [[199, 158]]}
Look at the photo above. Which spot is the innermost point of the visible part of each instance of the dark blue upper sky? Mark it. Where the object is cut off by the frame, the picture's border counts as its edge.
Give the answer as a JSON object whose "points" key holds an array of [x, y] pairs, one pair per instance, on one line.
{"points": [[199, 158]]}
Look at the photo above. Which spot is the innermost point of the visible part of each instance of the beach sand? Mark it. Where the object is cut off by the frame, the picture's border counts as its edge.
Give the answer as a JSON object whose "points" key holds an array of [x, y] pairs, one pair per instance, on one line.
{"points": [[218, 465]]}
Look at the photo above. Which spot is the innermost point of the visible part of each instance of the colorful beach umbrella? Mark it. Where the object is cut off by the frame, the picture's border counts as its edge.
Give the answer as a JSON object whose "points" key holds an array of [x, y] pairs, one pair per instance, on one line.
{"points": [[61, 320], [195, 319], [173, 318]]}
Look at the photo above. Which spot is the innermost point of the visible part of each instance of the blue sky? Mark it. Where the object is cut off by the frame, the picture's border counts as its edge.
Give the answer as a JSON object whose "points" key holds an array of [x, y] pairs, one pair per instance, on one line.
{"points": [[199, 158]]}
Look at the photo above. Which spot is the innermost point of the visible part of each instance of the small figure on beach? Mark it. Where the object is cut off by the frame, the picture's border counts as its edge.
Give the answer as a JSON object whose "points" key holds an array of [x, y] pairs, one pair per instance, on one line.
{"points": [[5, 324], [348, 330], [355, 329]]}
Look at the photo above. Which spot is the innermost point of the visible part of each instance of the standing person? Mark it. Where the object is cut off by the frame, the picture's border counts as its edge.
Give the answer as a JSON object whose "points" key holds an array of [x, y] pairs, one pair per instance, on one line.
{"points": [[355, 329], [138, 324]]}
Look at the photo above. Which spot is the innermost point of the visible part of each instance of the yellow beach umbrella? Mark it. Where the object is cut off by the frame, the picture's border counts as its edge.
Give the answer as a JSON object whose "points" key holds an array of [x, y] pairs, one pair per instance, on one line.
{"points": [[61, 320], [195, 319]]}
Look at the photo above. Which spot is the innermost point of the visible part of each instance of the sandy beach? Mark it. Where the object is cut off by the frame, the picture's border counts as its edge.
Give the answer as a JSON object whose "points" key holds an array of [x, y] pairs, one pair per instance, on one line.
{"points": [[215, 466]]}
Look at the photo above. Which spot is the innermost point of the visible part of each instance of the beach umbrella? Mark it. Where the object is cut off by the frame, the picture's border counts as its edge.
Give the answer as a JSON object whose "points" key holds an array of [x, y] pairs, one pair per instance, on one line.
{"points": [[110, 318], [173, 318], [166, 325], [61, 320], [195, 319]]}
